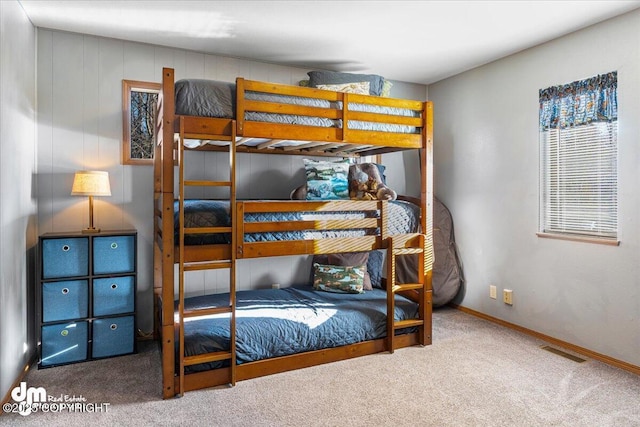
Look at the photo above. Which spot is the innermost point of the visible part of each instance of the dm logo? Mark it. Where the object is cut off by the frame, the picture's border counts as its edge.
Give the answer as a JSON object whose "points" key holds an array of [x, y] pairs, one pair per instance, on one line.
{"points": [[26, 397]]}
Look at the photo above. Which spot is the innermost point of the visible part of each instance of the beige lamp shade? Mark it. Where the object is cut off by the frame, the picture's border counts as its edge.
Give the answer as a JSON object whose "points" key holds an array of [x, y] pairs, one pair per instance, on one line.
{"points": [[91, 183]]}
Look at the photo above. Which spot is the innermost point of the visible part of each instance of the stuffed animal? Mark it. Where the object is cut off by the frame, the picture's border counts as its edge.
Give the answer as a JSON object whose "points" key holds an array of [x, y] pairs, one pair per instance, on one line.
{"points": [[365, 183]]}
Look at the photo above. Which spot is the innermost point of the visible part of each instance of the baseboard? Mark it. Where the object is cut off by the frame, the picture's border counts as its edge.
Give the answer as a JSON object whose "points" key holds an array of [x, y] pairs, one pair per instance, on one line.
{"points": [[577, 349], [16, 383]]}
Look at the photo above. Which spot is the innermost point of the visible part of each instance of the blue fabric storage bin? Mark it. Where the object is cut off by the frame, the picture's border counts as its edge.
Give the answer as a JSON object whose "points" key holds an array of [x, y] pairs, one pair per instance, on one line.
{"points": [[66, 257], [113, 254], [113, 336], [113, 295], [65, 300], [64, 343]]}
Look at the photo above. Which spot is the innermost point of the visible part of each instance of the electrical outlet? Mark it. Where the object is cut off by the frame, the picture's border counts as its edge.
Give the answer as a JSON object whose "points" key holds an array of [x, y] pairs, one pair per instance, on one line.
{"points": [[507, 296], [493, 292]]}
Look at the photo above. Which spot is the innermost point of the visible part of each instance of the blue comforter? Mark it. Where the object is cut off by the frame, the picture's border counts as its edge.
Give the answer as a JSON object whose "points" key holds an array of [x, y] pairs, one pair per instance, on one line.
{"points": [[279, 322]]}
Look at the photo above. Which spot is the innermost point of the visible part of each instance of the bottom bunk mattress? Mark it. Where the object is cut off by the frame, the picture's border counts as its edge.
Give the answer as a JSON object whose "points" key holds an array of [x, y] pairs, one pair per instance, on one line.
{"points": [[402, 217], [279, 322]]}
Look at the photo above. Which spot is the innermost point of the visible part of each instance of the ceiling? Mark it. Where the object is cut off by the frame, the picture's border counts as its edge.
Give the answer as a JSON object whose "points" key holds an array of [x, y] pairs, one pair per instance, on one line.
{"points": [[413, 41]]}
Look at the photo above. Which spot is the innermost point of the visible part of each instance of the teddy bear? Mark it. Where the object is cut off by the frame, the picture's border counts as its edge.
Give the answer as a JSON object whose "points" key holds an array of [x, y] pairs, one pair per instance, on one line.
{"points": [[365, 183]]}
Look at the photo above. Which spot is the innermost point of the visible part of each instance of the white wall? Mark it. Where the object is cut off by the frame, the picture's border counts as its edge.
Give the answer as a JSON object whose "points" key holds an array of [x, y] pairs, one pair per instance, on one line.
{"points": [[18, 233], [80, 127], [486, 157]]}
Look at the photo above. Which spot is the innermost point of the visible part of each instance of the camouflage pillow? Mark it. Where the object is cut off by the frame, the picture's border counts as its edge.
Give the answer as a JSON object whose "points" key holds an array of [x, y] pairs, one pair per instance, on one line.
{"points": [[353, 258], [341, 279]]}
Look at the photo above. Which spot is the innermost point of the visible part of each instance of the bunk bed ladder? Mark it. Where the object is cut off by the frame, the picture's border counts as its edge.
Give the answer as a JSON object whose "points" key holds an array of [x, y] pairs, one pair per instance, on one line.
{"points": [[229, 264], [399, 245]]}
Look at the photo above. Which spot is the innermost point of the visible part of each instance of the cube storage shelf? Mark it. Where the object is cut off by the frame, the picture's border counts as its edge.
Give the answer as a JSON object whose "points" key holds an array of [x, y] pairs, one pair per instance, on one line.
{"points": [[86, 296]]}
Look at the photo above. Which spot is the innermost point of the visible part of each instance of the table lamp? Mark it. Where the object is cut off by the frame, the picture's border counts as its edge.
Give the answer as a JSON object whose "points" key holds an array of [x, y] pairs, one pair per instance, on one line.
{"points": [[91, 183]]}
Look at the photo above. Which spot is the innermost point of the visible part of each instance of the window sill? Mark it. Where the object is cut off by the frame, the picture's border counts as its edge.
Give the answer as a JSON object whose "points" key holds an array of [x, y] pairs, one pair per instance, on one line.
{"points": [[585, 239]]}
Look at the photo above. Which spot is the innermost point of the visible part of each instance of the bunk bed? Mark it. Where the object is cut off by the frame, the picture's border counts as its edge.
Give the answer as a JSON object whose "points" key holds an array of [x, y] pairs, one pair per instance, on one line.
{"points": [[280, 119]]}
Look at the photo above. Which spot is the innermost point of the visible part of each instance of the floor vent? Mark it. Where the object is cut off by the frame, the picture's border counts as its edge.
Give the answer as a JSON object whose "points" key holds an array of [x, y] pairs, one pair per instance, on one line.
{"points": [[563, 354]]}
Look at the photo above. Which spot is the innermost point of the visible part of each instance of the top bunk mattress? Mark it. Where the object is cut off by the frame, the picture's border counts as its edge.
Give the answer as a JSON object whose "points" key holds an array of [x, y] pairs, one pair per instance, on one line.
{"points": [[211, 98]]}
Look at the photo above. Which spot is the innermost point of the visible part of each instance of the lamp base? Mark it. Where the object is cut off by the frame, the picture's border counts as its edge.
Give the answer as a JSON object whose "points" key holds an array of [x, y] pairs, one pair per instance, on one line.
{"points": [[90, 231]]}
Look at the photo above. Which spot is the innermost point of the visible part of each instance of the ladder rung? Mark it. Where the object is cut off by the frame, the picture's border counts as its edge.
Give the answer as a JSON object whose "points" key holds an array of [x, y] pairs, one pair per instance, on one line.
{"points": [[407, 287], [207, 311], [407, 323], [203, 183], [206, 358], [196, 266], [207, 230], [407, 251]]}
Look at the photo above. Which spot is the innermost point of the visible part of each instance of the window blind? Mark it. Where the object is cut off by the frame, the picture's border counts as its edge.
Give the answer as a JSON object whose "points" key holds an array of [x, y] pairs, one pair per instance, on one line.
{"points": [[579, 173]]}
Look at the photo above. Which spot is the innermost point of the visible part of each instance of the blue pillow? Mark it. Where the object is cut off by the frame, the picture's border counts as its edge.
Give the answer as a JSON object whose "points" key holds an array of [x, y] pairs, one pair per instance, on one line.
{"points": [[374, 268], [327, 180], [381, 169]]}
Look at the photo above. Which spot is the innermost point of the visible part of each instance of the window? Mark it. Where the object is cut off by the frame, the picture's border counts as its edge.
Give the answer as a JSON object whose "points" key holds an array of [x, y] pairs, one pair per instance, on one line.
{"points": [[139, 103], [578, 159]]}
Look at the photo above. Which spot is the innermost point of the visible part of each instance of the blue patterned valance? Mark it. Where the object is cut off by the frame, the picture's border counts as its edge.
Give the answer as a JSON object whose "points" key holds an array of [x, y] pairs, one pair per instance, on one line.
{"points": [[580, 102]]}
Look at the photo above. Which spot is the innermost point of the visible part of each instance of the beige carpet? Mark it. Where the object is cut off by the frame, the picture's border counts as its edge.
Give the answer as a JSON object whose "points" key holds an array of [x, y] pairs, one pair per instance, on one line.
{"points": [[475, 374]]}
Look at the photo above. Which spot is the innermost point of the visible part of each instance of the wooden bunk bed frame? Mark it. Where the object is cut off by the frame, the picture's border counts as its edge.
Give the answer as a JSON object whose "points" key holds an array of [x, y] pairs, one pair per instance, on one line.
{"points": [[336, 142]]}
